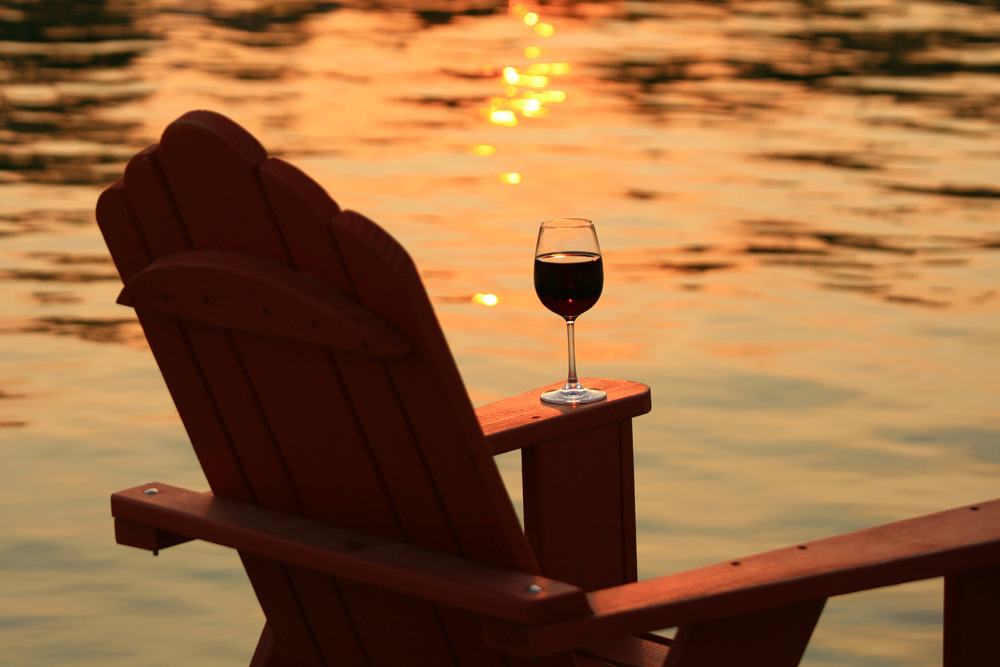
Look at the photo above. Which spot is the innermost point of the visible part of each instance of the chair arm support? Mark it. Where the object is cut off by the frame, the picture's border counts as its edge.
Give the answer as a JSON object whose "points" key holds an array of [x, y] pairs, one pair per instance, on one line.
{"points": [[946, 543], [449, 580], [523, 420]]}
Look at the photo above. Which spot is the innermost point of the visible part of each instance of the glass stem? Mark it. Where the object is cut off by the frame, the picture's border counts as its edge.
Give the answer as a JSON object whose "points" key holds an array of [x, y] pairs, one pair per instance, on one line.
{"points": [[572, 382]]}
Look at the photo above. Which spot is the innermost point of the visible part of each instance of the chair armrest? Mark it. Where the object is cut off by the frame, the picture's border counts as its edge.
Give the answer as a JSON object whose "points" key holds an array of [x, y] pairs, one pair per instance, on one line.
{"points": [[181, 514], [523, 420], [945, 543], [578, 487]]}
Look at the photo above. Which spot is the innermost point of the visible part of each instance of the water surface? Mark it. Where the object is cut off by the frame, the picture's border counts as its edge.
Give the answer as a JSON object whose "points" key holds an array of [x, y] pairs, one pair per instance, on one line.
{"points": [[797, 200]]}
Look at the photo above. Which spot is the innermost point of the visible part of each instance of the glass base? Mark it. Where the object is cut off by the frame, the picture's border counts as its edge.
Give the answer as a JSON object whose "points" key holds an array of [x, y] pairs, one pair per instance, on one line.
{"points": [[572, 396]]}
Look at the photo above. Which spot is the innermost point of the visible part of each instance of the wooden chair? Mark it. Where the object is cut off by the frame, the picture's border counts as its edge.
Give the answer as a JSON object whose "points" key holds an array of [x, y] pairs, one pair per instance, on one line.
{"points": [[349, 469]]}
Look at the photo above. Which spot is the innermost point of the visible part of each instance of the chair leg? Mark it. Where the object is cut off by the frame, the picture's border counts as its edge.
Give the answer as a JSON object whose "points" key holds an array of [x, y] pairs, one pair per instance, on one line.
{"points": [[772, 638], [971, 619], [579, 506], [265, 649]]}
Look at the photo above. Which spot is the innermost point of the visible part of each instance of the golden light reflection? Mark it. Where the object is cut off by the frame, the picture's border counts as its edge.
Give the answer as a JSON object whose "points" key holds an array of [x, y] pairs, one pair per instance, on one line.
{"points": [[554, 69], [546, 96], [502, 117], [486, 150], [527, 90], [485, 299]]}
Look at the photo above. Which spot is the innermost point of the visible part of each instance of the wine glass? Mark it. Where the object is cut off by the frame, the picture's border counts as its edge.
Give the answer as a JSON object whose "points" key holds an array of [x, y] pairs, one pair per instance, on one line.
{"points": [[569, 278]]}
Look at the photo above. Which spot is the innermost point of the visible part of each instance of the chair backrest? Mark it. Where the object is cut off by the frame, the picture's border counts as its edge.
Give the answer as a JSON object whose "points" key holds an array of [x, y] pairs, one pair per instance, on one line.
{"points": [[312, 377]]}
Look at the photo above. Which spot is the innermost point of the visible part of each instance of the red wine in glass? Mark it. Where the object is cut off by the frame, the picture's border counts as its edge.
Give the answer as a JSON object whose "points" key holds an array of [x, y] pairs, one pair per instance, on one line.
{"points": [[569, 279], [569, 283]]}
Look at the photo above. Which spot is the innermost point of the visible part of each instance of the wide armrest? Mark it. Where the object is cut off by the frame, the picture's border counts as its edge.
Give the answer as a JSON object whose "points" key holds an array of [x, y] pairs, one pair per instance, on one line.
{"points": [[524, 420], [945, 543], [179, 514]]}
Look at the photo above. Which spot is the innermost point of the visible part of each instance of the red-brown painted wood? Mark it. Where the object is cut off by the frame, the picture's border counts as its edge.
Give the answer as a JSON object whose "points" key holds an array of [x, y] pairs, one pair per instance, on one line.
{"points": [[940, 544], [646, 650], [579, 506], [972, 618], [307, 423], [578, 478], [250, 294], [523, 420], [360, 432], [458, 582], [767, 638]]}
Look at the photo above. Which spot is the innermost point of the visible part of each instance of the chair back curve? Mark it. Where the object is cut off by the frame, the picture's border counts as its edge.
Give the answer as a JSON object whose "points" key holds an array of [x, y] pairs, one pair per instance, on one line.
{"points": [[312, 377]]}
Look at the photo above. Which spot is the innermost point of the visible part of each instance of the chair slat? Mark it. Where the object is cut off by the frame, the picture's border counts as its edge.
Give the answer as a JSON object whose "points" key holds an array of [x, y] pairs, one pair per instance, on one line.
{"points": [[127, 246], [295, 642], [156, 218], [327, 613], [241, 413], [429, 386], [308, 409], [196, 404], [306, 212], [211, 166]]}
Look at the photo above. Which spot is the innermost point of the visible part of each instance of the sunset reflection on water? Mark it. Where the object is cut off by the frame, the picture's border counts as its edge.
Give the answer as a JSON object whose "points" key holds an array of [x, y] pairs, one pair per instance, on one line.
{"points": [[797, 203]]}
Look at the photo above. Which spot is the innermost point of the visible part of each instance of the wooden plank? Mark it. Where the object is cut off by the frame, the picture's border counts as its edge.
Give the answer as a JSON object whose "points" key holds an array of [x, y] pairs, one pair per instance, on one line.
{"points": [[149, 197], [240, 411], [430, 401], [971, 618], [264, 655], [305, 212], [127, 246], [294, 642], [133, 534], [647, 651], [522, 420], [940, 544], [327, 612], [769, 638], [337, 482], [579, 507], [211, 166], [463, 471], [449, 580], [247, 293], [309, 412]]}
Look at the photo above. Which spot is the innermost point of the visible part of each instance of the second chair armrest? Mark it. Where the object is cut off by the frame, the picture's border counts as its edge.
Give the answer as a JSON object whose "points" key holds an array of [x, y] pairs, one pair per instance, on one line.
{"points": [[524, 420], [956, 542]]}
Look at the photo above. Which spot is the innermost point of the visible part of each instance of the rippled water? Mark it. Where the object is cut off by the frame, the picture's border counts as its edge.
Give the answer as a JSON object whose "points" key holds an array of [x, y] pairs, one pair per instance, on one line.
{"points": [[798, 203]]}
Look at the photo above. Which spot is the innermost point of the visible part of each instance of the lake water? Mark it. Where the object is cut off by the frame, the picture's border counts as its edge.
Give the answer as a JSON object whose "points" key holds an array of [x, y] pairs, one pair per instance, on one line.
{"points": [[798, 202]]}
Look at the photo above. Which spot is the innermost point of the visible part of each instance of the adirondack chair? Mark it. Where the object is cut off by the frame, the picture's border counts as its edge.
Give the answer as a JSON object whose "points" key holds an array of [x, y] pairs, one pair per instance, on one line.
{"points": [[349, 469]]}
